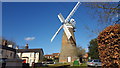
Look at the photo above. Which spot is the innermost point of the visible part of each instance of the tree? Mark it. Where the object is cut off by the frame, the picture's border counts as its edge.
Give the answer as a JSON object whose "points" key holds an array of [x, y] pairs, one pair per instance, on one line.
{"points": [[8, 42], [109, 46], [80, 51], [44, 59], [107, 13], [93, 49], [22, 47]]}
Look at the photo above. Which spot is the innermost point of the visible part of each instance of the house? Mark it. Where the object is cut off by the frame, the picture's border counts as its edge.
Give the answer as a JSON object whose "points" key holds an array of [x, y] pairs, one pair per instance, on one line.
{"points": [[54, 56], [7, 52], [48, 56], [85, 57], [30, 55], [8, 56]]}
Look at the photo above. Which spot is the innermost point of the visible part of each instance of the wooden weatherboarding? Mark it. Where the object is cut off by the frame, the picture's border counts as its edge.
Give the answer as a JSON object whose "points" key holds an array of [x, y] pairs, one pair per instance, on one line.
{"points": [[68, 50]]}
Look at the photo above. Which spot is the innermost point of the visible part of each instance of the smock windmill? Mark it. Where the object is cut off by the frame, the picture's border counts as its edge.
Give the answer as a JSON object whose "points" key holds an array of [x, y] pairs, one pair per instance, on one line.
{"points": [[68, 50]]}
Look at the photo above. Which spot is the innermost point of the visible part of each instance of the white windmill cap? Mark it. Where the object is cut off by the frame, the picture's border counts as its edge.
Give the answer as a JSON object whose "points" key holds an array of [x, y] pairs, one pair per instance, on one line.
{"points": [[72, 20]]}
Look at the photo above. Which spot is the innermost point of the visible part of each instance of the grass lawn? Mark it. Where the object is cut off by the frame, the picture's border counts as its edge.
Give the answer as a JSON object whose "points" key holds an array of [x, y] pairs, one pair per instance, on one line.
{"points": [[83, 64], [65, 65], [57, 65]]}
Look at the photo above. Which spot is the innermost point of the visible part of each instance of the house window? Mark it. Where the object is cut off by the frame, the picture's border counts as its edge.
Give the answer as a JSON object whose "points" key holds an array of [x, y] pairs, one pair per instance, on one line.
{"points": [[30, 54], [30, 60]]}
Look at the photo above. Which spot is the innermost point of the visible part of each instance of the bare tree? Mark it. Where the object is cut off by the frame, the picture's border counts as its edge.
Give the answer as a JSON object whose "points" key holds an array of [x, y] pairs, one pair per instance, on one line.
{"points": [[22, 47], [8, 42], [107, 13], [80, 51]]}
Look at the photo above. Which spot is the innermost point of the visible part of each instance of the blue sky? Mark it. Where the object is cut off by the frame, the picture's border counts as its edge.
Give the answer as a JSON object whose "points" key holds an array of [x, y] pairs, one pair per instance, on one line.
{"points": [[39, 20]]}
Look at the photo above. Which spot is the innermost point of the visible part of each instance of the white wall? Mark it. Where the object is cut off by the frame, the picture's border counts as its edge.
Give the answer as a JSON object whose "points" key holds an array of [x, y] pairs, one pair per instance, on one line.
{"points": [[30, 56], [6, 54]]}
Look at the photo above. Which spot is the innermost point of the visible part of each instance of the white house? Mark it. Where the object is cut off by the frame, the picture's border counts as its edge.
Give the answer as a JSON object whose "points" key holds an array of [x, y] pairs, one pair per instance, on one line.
{"points": [[30, 55]]}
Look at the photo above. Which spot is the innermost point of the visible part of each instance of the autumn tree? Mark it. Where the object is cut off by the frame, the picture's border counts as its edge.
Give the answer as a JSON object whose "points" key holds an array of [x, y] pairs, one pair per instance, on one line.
{"points": [[109, 46], [107, 14]]}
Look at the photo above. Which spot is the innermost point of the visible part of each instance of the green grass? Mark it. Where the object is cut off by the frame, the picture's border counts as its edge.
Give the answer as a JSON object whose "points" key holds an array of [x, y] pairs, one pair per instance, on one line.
{"points": [[57, 65], [65, 64], [83, 64]]}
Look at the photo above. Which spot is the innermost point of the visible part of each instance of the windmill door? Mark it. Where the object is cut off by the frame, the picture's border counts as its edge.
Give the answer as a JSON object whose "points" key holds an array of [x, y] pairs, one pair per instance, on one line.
{"points": [[69, 59]]}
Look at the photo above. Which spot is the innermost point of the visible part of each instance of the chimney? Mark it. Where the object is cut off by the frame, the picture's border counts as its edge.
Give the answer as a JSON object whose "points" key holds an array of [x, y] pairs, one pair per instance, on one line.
{"points": [[4, 42], [26, 47]]}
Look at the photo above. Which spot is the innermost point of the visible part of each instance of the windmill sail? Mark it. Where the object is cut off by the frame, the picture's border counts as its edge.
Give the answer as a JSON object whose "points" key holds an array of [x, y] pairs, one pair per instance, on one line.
{"points": [[65, 22], [72, 12], [56, 32], [61, 18], [67, 32]]}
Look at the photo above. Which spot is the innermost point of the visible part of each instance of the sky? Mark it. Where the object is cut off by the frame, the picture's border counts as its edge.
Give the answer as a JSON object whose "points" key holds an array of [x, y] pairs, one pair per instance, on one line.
{"points": [[60, 0], [1, 19], [35, 23]]}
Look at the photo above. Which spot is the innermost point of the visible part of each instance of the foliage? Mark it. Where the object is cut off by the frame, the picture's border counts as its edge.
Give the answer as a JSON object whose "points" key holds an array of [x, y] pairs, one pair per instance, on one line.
{"points": [[44, 59], [80, 51], [93, 49], [56, 59], [109, 46]]}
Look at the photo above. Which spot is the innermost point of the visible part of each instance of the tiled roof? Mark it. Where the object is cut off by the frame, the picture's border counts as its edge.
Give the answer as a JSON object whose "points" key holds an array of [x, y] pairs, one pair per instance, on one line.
{"points": [[48, 55], [56, 53], [30, 50]]}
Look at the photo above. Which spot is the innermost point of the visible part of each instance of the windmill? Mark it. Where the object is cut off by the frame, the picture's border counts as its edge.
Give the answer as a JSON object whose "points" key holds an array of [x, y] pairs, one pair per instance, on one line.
{"points": [[68, 39]]}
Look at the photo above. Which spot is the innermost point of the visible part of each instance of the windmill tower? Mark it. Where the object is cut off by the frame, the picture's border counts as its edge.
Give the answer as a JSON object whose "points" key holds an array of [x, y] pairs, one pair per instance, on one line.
{"points": [[68, 50]]}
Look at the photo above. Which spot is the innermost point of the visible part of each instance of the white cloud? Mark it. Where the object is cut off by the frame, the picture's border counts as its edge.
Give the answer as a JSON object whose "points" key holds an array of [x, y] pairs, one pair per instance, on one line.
{"points": [[29, 38]]}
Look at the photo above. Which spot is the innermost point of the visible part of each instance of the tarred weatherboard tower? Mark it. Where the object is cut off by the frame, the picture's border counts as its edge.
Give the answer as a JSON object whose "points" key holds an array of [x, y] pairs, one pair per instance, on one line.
{"points": [[68, 50]]}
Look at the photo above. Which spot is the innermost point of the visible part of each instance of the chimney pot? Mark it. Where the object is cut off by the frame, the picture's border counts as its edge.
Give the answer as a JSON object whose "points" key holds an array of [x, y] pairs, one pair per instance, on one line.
{"points": [[4, 42], [26, 47]]}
